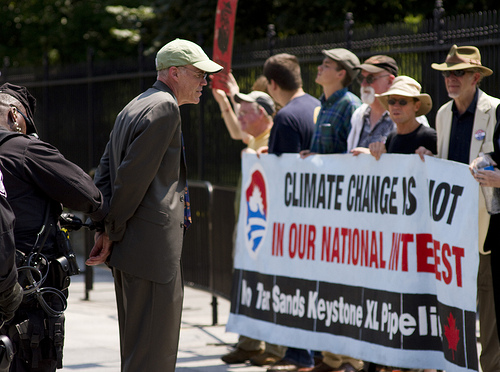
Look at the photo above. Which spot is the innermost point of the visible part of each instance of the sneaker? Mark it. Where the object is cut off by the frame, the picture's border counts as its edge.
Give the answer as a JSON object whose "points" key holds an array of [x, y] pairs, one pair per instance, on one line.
{"points": [[240, 356], [264, 359]]}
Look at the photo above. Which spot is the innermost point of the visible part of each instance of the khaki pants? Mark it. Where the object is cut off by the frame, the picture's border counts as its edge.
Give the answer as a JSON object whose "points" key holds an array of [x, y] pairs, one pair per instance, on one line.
{"points": [[490, 346]]}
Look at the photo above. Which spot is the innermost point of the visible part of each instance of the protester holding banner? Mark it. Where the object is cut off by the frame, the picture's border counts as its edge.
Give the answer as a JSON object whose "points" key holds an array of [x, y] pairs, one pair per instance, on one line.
{"points": [[255, 118], [465, 127], [293, 124], [254, 131], [292, 132], [333, 124], [333, 121], [371, 122], [405, 102]]}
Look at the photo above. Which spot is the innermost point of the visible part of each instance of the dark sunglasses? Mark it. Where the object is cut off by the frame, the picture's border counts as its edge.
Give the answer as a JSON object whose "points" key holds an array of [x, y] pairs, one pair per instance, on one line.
{"points": [[392, 102], [457, 73], [369, 78]]}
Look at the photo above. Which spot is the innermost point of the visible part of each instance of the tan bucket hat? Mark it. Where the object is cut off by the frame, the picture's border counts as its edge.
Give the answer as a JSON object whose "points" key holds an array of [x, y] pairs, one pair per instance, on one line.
{"points": [[407, 87], [461, 58]]}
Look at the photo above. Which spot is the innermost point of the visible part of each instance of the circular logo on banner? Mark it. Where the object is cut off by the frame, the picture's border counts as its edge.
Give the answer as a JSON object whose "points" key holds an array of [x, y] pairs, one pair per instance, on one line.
{"points": [[480, 134], [256, 207]]}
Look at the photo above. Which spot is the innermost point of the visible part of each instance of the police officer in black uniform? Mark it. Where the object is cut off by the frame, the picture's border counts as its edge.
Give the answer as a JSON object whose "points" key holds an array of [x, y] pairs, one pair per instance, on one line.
{"points": [[39, 182], [10, 290]]}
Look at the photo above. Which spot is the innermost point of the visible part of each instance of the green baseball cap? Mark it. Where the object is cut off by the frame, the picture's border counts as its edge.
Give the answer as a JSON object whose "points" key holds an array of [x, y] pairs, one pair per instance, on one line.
{"points": [[181, 52]]}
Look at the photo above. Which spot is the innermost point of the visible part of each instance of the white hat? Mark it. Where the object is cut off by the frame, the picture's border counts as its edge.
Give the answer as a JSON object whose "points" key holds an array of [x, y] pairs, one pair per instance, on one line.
{"points": [[407, 87]]}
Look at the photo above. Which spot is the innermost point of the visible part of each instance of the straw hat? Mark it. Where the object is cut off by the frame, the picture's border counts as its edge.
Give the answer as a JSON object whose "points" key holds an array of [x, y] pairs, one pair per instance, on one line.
{"points": [[461, 58], [407, 87]]}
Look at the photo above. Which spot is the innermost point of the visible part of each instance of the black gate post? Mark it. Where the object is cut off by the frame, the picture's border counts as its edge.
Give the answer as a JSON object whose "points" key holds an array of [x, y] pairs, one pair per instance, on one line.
{"points": [[89, 270], [439, 22], [271, 38], [348, 29]]}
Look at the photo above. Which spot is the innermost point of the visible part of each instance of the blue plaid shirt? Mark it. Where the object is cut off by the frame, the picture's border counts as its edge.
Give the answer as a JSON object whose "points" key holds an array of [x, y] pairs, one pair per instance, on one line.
{"points": [[336, 111]]}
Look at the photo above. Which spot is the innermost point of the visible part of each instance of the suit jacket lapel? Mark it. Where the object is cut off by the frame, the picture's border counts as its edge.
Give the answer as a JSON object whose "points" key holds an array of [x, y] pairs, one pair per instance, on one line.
{"points": [[481, 120], [443, 127]]}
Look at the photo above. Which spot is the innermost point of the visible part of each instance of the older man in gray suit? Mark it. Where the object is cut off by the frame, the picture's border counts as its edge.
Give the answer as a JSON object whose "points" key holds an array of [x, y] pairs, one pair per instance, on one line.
{"points": [[142, 175]]}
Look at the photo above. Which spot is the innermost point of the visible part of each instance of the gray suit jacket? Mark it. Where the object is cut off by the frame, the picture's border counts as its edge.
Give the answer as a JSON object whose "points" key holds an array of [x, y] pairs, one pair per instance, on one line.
{"points": [[142, 175]]}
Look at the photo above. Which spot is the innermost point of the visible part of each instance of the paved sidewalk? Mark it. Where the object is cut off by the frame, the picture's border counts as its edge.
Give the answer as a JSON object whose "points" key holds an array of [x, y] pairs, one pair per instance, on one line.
{"points": [[92, 343]]}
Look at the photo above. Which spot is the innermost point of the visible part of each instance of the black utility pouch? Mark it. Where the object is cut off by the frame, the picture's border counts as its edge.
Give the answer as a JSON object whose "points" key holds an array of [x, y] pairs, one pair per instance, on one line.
{"points": [[65, 249]]}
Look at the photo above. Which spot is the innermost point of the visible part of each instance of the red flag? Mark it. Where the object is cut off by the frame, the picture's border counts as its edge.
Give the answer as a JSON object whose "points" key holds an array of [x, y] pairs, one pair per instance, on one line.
{"points": [[223, 41]]}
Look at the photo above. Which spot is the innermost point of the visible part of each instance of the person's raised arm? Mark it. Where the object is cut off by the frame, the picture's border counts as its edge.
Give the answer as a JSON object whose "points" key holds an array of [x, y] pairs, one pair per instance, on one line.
{"points": [[228, 114]]}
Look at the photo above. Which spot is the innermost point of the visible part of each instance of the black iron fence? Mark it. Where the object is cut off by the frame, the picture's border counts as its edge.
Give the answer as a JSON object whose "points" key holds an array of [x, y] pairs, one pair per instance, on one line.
{"points": [[77, 106], [207, 256]]}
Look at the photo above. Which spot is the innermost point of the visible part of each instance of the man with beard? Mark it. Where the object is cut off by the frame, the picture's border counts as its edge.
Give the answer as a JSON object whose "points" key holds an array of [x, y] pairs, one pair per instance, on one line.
{"points": [[333, 121], [371, 121]]}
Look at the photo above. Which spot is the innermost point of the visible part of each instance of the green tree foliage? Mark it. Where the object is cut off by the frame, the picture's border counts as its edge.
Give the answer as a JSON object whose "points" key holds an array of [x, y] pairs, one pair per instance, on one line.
{"points": [[64, 29]]}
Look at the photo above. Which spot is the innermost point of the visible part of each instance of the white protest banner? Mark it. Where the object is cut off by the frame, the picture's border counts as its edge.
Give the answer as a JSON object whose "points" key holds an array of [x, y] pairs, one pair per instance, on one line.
{"points": [[372, 259]]}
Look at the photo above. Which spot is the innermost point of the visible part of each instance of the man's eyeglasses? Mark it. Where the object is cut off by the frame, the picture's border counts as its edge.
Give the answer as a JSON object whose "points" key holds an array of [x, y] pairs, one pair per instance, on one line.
{"points": [[457, 73], [392, 102], [369, 78], [199, 74]]}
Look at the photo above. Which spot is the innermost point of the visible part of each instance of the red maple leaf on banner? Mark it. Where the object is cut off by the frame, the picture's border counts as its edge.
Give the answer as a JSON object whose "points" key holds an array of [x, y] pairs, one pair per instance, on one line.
{"points": [[452, 334]]}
